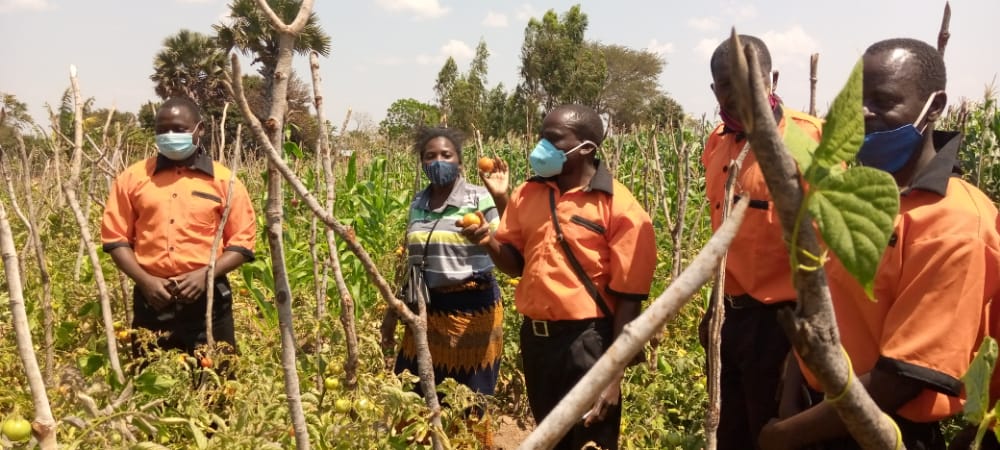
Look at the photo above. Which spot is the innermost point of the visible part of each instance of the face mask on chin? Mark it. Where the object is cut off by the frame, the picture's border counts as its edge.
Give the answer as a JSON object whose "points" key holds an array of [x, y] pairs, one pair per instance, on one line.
{"points": [[547, 160], [890, 150]]}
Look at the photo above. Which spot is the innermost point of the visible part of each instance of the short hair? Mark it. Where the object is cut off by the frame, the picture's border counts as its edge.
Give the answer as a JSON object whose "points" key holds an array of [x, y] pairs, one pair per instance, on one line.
{"points": [[425, 135], [720, 57], [584, 121], [183, 103], [931, 74]]}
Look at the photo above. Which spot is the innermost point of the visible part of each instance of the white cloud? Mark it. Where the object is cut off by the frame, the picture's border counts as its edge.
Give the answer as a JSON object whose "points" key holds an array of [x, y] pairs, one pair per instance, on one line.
{"points": [[526, 12], [660, 49], [495, 20], [704, 23], [24, 5], [424, 60], [458, 50], [740, 10], [792, 46], [421, 9], [706, 47]]}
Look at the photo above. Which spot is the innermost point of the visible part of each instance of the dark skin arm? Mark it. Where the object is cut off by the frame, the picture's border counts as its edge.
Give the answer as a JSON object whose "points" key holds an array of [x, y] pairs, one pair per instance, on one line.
{"points": [[190, 286], [187, 287], [821, 422]]}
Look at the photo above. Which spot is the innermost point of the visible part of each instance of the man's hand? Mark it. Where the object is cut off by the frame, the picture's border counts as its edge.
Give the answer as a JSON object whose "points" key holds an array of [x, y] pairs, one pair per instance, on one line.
{"points": [[608, 398], [498, 181], [189, 287], [157, 291], [477, 234]]}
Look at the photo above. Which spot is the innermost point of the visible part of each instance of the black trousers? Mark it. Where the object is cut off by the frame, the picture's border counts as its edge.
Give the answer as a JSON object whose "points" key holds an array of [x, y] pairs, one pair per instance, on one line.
{"points": [[182, 326], [916, 435], [753, 350], [552, 366]]}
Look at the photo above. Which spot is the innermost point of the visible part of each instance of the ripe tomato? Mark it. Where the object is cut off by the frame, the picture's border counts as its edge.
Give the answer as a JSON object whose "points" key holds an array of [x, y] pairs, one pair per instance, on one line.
{"points": [[17, 429], [470, 219], [486, 165], [206, 362]]}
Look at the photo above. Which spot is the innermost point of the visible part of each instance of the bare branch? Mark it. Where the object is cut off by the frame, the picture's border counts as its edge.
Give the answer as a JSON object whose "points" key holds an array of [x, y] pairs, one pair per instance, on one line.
{"points": [[945, 33], [635, 335]]}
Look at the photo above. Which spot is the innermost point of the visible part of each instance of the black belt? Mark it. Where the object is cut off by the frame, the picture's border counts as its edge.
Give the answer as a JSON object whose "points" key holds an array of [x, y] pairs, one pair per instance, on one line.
{"points": [[546, 328], [755, 204], [745, 301]]}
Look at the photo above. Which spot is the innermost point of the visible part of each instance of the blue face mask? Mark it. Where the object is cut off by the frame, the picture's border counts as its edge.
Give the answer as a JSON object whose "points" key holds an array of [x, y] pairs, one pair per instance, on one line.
{"points": [[441, 173], [891, 150], [547, 161], [176, 146]]}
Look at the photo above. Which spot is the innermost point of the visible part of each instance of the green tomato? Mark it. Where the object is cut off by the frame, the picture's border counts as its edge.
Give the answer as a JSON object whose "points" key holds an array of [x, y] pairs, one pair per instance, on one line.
{"points": [[342, 406], [331, 383], [17, 429]]}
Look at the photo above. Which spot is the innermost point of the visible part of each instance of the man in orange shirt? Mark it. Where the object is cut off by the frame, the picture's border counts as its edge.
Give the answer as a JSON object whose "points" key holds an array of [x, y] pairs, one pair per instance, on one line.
{"points": [[758, 280], [910, 346], [159, 223], [585, 252]]}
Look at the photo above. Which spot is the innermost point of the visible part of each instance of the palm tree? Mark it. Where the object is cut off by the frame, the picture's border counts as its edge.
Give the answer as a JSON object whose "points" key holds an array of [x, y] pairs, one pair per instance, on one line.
{"points": [[192, 65], [249, 31]]}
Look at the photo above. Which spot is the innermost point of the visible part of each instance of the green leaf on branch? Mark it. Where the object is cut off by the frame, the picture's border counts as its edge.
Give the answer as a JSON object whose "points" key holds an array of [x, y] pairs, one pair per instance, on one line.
{"points": [[977, 382], [153, 383], [855, 212], [844, 129]]}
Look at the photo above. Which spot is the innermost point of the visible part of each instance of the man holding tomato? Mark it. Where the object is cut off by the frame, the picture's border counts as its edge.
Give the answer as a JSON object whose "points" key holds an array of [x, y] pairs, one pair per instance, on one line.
{"points": [[585, 251], [159, 224]]}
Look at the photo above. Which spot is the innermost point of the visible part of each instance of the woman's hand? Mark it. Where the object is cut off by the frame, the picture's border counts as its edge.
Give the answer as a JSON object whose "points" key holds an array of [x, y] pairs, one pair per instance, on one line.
{"points": [[477, 233]]}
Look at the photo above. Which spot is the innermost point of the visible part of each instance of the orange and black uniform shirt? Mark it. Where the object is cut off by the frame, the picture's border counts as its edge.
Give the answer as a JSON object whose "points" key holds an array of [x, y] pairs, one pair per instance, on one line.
{"points": [[932, 287], [757, 262], [169, 214], [609, 233]]}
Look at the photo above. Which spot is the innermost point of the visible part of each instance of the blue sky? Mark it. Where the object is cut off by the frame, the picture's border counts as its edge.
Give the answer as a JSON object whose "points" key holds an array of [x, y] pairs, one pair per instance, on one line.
{"points": [[384, 50]]}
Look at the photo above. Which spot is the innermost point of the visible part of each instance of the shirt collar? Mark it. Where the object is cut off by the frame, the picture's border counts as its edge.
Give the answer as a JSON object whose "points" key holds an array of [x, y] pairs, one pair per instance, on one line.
{"points": [[601, 181], [456, 198], [201, 162], [934, 177], [778, 114]]}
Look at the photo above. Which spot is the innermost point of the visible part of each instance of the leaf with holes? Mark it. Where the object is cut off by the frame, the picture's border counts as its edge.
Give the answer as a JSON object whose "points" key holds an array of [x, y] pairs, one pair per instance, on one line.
{"points": [[855, 211]]}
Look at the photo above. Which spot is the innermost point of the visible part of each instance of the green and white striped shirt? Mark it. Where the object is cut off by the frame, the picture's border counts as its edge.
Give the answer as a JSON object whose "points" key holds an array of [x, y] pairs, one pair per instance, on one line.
{"points": [[451, 258]]}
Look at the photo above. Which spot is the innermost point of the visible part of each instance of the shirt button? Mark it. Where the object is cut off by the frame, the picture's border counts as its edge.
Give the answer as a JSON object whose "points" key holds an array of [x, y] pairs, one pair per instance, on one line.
{"points": [[718, 205], [170, 249], [725, 169], [174, 195], [171, 220]]}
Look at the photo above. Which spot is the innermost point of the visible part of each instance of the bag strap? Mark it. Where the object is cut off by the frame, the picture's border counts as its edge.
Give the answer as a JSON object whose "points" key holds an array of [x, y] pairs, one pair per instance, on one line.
{"points": [[427, 243], [588, 284]]}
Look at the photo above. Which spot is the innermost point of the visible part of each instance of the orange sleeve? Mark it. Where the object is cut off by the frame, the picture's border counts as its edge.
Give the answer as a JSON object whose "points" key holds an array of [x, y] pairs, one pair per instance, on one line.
{"points": [[118, 222], [931, 329], [509, 231], [633, 252], [240, 232]]}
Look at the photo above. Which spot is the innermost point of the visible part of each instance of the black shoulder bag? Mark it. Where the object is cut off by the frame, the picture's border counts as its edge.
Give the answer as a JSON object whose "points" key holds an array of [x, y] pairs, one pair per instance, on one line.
{"points": [[588, 284]]}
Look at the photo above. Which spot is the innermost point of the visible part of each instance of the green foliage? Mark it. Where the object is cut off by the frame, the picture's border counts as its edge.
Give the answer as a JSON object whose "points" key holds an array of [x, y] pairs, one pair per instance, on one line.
{"points": [[977, 382], [405, 115], [854, 209], [192, 65], [557, 65]]}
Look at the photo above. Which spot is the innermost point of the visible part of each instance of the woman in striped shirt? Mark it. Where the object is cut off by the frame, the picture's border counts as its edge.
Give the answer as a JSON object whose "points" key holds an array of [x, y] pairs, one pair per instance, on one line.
{"points": [[464, 311]]}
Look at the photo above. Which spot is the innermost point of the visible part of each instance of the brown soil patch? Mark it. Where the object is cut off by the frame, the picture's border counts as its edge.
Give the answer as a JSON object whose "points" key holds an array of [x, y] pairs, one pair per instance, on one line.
{"points": [[508, 435]]}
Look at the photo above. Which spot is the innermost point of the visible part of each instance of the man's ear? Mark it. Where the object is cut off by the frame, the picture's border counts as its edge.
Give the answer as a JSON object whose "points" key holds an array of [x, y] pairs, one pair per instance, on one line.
{"points": [[199, 131], [936, 110]]}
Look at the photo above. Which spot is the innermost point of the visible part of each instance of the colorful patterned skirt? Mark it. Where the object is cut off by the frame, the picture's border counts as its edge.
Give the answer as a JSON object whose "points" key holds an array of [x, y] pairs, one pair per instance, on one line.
{"points": [[465, 335]]}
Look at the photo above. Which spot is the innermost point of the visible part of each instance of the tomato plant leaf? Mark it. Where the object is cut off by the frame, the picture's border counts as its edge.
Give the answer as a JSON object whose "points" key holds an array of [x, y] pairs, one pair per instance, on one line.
{"points": [[153, 383], [855, 211], [199, 438], [843, 131], [977, 381]]}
